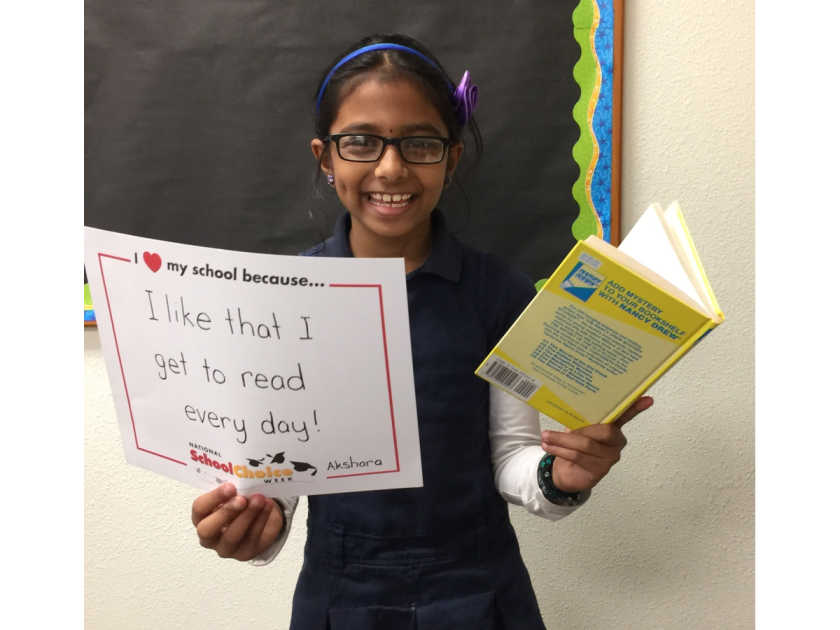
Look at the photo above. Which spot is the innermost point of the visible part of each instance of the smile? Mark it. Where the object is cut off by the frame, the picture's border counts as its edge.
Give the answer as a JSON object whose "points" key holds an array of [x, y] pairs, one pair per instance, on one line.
{"points": [[393, 200]]}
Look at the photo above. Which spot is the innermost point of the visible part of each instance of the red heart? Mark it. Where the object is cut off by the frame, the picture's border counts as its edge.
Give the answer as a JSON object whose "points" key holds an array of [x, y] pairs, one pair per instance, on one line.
{"points": [[152, 261]]}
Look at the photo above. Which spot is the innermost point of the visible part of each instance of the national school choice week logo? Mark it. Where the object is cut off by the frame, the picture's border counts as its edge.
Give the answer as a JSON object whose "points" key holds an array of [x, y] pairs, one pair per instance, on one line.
{"points": [[582, 281], [275, 470]]}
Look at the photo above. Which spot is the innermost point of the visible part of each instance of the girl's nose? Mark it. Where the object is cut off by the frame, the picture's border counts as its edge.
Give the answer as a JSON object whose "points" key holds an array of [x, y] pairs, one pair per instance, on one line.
{"points": [[391, 164]]}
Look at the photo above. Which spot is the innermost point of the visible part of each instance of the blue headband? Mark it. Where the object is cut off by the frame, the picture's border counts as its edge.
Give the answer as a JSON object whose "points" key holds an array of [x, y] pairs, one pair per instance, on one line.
{"points": [[465, 96], [362, 51]]}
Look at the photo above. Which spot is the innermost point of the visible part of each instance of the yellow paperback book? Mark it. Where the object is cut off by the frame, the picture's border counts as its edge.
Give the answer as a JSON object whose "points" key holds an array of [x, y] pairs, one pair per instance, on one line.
{"points": [[607, 323]]}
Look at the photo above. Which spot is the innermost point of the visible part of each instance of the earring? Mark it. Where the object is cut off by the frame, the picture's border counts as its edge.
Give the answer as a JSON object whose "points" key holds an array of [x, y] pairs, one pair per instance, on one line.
{"points": [[331, 180]]}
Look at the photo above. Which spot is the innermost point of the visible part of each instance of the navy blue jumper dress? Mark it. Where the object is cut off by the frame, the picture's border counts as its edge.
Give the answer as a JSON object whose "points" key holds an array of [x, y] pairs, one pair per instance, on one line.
{"points": [[443, 556]]}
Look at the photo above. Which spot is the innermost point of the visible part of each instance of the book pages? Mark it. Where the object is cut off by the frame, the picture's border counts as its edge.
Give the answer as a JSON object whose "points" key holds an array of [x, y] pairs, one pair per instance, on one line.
{"points": [[649, 244]]}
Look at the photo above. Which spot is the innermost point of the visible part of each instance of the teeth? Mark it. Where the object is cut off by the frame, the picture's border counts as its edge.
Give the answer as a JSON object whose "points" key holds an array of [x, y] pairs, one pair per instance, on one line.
{"points": [[390, 198]]}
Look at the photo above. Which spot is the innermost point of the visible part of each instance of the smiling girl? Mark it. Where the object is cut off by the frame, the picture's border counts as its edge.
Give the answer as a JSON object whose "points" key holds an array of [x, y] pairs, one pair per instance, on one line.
{"points": [[389, 137]]}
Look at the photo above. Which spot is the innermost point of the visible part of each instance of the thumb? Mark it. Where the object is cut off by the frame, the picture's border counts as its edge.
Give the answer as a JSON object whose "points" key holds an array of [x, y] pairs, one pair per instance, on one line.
{"points": [[640, 405]]}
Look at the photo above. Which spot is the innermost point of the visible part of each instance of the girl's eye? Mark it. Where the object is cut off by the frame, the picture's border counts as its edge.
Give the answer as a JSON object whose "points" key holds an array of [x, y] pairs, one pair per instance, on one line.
{"points": [[359, 145], [353, 142], [422, 149], [419, 144], [358, 141]]}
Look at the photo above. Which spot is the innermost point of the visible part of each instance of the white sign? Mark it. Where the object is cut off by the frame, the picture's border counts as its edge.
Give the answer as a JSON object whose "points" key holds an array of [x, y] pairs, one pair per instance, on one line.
{"points": [[287, 375]]}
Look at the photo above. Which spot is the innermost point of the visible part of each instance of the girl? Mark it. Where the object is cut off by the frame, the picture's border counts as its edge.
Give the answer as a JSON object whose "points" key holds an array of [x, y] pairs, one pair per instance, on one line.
{"points": [[389, 137]]}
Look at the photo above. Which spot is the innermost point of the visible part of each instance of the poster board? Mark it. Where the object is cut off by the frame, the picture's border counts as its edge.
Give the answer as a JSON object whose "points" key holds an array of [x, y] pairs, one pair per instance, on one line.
{"points": [[285, 375]]}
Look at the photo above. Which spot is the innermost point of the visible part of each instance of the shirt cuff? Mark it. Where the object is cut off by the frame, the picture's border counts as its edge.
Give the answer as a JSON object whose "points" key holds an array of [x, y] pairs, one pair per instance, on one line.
{"points": [[516, 451], [525, 490]]}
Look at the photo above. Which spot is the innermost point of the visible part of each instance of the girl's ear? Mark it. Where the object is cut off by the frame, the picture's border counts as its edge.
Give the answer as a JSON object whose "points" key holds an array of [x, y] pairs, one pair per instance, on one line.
{"points": [[455, 153], [319, 150]]}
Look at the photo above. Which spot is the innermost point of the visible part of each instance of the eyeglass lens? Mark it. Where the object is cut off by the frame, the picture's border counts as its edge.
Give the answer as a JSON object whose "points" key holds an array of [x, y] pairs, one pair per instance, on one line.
{"points": [[365, 148]]}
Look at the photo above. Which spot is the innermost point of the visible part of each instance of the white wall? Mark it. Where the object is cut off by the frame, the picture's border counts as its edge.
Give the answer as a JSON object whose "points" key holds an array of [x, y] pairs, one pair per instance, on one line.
{"points": [[667, 539]]}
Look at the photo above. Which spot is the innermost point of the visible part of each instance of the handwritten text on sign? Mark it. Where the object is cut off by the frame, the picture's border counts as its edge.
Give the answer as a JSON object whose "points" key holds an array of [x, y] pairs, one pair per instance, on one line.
{"points": [[287, 375]]}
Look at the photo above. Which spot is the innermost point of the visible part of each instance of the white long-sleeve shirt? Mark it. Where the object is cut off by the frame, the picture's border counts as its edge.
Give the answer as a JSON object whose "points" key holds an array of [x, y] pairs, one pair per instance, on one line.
{"points": [[515, 452]]}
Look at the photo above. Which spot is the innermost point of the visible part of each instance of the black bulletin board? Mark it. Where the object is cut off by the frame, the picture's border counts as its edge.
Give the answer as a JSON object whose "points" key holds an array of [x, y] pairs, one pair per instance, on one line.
{"points": [[198, 117]]}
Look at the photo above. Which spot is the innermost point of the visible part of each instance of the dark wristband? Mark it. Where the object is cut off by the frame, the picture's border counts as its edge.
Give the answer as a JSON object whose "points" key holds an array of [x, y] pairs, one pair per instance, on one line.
{"points": [[549, 490]]}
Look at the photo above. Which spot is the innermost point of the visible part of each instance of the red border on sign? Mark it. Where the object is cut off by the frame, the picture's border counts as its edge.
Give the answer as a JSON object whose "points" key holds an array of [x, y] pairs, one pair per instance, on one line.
{"points": [[378, 288], [119, 359]]}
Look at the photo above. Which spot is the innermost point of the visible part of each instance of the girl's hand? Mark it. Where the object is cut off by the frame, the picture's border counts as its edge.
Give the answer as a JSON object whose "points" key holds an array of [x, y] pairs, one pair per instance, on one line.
{"points": [[236, 526], [584, 456]]}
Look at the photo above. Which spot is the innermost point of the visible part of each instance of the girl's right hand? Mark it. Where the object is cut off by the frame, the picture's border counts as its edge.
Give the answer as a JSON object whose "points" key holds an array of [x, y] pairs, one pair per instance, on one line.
{"points": [[236, 526]]}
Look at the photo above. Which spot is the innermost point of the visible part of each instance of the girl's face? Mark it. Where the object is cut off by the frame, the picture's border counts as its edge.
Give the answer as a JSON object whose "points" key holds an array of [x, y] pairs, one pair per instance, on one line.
{"points": [[393, 108]]}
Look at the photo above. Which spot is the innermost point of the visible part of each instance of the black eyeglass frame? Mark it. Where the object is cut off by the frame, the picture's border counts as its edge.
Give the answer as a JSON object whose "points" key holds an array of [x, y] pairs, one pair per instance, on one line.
{"points": [[385, 142]]}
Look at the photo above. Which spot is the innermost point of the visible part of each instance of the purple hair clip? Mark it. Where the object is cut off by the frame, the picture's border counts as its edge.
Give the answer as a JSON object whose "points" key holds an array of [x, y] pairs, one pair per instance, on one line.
{"points": [[466, 98]]}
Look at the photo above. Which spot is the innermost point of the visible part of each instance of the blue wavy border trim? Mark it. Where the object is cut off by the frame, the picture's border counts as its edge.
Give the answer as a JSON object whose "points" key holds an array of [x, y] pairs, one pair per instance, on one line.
{"points": [[602, 118]]}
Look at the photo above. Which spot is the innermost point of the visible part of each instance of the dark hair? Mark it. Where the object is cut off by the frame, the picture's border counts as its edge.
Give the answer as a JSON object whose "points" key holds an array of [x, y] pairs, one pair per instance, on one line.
{"points": [[434, 81]]}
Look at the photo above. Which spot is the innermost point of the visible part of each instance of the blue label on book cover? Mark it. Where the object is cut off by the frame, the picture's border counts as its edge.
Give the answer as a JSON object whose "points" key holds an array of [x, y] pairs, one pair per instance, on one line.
{"points": [[582, 281]]}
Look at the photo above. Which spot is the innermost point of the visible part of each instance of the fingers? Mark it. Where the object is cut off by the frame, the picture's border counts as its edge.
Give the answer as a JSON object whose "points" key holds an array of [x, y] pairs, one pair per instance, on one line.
{"points": [[232, 542], [583, 456], [584, 460], [273, 525], [210, 501], [236, 526], [582, 450], [645, 402], [219, 521], [597, 440], [262, 533]]}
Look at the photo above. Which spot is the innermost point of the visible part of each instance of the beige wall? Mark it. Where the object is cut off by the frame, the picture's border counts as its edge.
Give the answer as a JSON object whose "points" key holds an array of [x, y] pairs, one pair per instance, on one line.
{"points": [[667, 539]]}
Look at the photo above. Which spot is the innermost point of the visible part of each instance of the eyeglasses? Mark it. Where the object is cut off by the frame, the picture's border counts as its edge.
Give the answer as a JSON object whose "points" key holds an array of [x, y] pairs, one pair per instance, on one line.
{"points": [[363, 147]]}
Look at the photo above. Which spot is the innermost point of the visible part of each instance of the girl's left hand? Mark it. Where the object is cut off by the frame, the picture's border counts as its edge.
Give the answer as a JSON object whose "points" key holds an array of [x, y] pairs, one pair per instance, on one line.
{"points": [[584, 456]]}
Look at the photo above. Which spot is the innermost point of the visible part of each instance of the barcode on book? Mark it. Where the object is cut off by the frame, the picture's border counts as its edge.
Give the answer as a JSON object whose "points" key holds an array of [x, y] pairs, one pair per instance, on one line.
{"points": [[512, 379]]}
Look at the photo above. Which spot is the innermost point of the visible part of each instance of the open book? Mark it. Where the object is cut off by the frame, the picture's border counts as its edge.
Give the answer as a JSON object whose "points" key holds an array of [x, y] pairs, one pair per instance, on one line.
{"points": [[607, 323]]}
